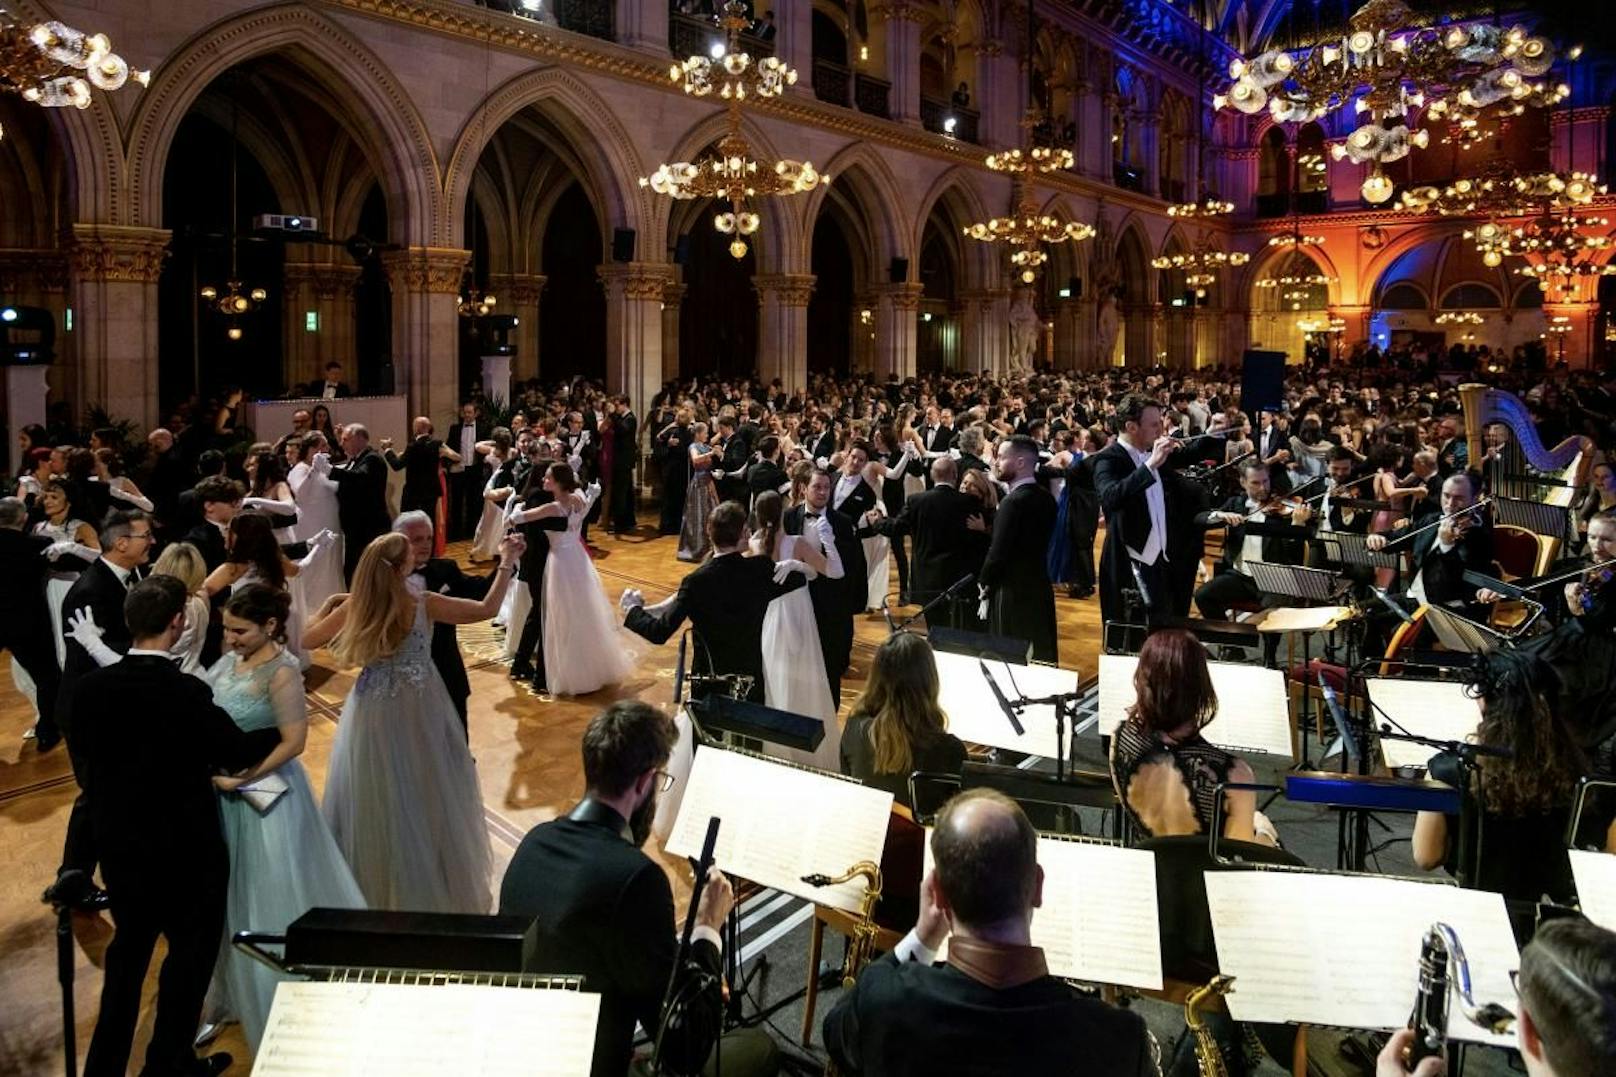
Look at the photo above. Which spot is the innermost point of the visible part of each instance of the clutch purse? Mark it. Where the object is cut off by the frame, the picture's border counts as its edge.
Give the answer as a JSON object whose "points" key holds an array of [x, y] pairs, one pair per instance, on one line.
{"points": [[264, 792]]}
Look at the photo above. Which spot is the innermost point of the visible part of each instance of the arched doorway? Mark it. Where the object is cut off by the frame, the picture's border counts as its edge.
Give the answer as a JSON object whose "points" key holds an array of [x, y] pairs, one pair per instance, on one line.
{"points": [[572, 307], [35, 178], [831, 322], [718, 316], [1136, 303]]}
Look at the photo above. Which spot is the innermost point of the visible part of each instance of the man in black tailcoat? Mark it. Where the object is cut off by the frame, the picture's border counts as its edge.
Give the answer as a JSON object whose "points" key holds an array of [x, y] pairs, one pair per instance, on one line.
{"points": [[836, 599], [1015, 576]]}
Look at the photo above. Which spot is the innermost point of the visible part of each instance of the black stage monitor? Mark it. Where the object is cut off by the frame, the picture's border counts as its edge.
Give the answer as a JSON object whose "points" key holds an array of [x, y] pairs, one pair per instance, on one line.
{"points": [[1262, 382]]}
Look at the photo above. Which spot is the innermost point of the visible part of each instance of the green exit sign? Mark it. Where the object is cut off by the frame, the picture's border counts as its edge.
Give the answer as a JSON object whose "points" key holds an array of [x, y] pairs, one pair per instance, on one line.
{"points": [[311, 321]]}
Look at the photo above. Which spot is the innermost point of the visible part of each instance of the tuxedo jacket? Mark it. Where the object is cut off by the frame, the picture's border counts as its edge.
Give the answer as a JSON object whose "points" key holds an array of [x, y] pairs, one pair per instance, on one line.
{"points": [[937, 438], [732, 487], [99, 590], [150, 739], [1443, 572], [481, 431], [836, 598], [605, 909], [945, 548], [861, 500], [821, 447], [1021, 600], [1119, 487], [909, 1020], [362, 497], [23, 570], [443, 577], [625, 444], [419, 462], [724, 599], [764, 476]]}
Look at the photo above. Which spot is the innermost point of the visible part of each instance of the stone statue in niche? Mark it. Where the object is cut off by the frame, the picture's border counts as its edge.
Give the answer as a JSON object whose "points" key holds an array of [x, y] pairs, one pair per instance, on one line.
{"points": [[1024, 330], [1107, 324]]}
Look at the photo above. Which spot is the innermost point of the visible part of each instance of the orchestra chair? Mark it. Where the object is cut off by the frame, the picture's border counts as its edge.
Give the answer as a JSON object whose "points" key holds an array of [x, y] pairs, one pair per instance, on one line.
{"points": [[1402, 641], [928, 792], [1516, 551], [1189, 953], [902, 863]]}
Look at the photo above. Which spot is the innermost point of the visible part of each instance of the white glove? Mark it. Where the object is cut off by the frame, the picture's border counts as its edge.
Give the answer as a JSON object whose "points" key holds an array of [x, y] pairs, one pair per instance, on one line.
{"points": [[70, 549], [822, 461], [717, 474], [953, 454], [632, 599], [982, 605], [322, 463], [82, 627], [782, 569]]}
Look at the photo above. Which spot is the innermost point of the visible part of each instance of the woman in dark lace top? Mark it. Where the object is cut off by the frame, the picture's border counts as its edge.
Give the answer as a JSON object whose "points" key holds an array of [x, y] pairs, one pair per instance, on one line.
{"points": [[1165, 772]]}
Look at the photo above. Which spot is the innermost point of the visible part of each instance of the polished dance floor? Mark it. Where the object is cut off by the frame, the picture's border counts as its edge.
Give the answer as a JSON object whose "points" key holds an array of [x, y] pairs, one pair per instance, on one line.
{"points": [[526, 749]]}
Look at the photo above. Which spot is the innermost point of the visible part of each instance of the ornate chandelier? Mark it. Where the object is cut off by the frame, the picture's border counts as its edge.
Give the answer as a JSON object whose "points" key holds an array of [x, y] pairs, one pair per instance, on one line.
{"points": [[1026, 231], [1559, 250], [41, 62], [731, 173], [1498, 191], [1459, 317], [1384, 69], [474, 302], [1201, 264], [1295, 237], [235, 300], [1210, 206]]}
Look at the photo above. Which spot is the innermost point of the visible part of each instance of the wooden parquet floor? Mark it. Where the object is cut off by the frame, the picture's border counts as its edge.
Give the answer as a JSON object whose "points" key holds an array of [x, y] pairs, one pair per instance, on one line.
{"points": [[526, 749]]}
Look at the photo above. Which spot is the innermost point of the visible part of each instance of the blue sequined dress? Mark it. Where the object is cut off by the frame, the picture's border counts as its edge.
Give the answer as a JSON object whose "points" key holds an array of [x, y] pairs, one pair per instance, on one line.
{"points": [[283, 862], [401, 795]]}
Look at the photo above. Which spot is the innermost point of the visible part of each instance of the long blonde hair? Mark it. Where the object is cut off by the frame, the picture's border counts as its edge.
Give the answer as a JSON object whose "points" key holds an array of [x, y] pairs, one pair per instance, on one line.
{"points": [[182, 561], [380, 607]]}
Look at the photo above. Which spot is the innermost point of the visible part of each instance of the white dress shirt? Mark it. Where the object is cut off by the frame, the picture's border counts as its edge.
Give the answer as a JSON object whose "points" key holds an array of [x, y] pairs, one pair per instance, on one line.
{"points": [[1156, 503]]}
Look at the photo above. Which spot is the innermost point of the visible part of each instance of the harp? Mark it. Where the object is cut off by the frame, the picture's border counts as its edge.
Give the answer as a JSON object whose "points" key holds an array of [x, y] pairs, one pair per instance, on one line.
{"points": [[1534, 485]]}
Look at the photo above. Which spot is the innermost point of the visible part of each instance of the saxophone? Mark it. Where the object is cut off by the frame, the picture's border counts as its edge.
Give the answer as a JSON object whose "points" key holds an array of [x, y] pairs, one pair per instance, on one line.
{"points": [[861, 944], [1208, 1056]]}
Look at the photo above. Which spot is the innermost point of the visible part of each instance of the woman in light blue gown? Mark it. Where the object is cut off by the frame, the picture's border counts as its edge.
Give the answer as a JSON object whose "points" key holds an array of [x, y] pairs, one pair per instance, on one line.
{"points": [[401, 794], [283, 861]]}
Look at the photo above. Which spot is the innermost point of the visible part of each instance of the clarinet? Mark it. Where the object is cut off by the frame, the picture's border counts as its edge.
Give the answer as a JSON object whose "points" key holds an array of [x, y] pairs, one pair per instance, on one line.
{"points": [[1443, 970]]}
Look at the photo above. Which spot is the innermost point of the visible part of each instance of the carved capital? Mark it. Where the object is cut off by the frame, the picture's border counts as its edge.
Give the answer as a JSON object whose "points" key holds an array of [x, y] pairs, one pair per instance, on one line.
{"points": [[324, 279], [112, 253], [437, 270], [674, 293], [523, 288], [899, 11], [635, 280], [24, 269], [901, 297], [790, 290], [990, 47]]}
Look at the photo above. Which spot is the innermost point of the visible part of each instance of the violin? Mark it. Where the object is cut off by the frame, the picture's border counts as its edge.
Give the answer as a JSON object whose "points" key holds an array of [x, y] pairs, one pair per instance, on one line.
{"points": [[1592, 583]]}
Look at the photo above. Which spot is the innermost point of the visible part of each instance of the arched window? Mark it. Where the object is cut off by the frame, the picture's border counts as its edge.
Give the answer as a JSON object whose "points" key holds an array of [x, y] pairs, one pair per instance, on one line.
{"points": [[1402, 296], [1273, 175], [1312, 170], [1470, 296]]}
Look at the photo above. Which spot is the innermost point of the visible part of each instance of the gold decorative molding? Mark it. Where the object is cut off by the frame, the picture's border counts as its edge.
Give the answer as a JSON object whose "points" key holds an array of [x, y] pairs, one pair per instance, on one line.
{"points": [[899, 11], [789, 289], [438, 270], [636, 280], [25, 268], [326, 280], [902, 297], [117, 253], [524, 288]]}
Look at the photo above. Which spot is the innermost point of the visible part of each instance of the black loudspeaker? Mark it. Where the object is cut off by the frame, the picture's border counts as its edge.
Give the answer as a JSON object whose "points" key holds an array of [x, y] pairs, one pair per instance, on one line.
{"points": [[1262, 382], [1075, 286], [681, 250], [898, 271], [27, 336], [622, 244], [378, 938]]}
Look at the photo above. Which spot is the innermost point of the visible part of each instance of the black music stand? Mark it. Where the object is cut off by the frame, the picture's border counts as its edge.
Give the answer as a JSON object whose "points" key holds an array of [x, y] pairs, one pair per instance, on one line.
{"points": [[1351, 548], [1050, 802], [1308, 585], [1539, 517], [1460, 633]]}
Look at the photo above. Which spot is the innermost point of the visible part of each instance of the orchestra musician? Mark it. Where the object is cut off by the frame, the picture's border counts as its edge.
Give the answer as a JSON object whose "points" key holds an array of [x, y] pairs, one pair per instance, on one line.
{"points": [[1444, 551], [1234, 584], [1333, 516], [993, 1007], [1142, 497]]}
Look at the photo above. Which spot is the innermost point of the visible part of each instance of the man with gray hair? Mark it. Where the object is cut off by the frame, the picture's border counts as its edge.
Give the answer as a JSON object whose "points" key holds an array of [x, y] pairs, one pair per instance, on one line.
{"points": [[361, 496], [25, 624], [442, 576]]}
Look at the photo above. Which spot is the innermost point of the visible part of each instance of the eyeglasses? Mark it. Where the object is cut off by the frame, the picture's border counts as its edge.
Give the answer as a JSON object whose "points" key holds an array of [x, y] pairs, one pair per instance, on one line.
{"points": [[144, 536], [664, 781]]}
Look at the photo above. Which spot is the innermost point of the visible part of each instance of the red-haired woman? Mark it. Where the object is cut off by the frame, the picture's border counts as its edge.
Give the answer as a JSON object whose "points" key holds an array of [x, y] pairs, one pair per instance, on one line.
{"points": [[1165, 772]]}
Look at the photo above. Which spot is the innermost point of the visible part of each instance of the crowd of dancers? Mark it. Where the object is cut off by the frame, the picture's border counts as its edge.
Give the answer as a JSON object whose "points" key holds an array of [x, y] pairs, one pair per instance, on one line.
{"points": [[230, 560]]}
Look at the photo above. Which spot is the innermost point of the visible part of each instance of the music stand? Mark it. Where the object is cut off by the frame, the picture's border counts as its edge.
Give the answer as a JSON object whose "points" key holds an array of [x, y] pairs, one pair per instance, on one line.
{"points": [[1351, 548], [1295, 581], [1050, 802], [1539, 517]]}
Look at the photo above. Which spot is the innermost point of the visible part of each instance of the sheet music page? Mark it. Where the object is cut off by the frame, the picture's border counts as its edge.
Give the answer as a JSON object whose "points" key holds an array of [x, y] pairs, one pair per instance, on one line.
{"points": [[404, 1030], [781, 822], [1299, 618], [1362, 970], [1253, 709], [975, 716], [1438, 709], [1098, 922], [1596, 886]]}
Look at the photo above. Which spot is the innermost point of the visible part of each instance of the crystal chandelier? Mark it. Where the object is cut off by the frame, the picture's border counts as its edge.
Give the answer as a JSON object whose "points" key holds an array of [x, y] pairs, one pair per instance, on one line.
{"points": [[1499, 191], [1201, 264], [731, 173], [474, 302], [43, 62], [1459, 317], [1384, 69], [1295, 238], [1559, 250], [1026, 231]]}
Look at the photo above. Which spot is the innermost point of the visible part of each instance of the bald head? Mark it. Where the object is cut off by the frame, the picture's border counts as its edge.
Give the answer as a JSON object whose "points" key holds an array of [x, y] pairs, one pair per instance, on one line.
{"points": [[943, 469], [986, 856]]}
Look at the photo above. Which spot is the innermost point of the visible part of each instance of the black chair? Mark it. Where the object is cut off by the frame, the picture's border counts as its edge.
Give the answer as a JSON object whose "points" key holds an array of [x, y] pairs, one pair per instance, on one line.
{"points": [[1051, 805], [929, 791]]}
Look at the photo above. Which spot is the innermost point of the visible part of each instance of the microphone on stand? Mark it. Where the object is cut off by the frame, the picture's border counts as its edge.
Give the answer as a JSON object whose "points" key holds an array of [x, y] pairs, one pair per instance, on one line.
{"points": [[1349, 743], [998, 694], [679, 670]]}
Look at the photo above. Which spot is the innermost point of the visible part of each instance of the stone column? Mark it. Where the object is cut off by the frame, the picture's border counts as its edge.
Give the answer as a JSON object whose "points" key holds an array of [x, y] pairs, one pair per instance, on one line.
{"points": [[642, 24], [997, 95], [973, 309], [1068, 333], [114, 273], [1356, 315], [673, 297], [38, 277], [862, 359], [518, 295], [327, 289], [634, 293], [1150, 149], [903, 56], [896, 332], [1087, 333], [426, 328], [1088, 108], [794, 41], [783, 328]]}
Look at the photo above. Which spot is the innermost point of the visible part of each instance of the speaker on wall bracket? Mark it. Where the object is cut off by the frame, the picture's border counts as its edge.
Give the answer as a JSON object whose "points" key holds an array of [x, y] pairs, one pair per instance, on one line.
{"points": [[898, 270], [622, 244]]}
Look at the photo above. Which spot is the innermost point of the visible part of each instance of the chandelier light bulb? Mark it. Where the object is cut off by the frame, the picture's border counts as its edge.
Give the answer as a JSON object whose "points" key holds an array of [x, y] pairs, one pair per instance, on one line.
{"points": [[234, 332], [1378, 188]]}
